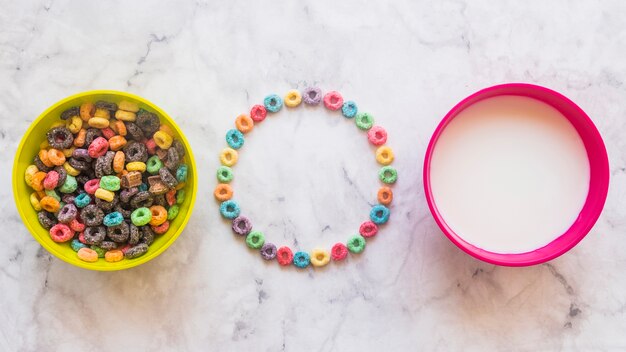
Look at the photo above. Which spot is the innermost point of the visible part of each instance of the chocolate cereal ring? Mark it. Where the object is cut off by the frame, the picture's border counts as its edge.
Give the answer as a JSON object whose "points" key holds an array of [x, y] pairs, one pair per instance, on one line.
{"points": [[94, 235], [91, 215], [136, 251], [71, 112], [135, 151], [134, 132], [168, 178], [148, 122], [60, 138]]}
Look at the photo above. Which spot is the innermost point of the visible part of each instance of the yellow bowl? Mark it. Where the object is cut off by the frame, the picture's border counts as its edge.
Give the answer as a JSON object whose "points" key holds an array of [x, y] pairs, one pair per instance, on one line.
{"points": [[29, 147]]}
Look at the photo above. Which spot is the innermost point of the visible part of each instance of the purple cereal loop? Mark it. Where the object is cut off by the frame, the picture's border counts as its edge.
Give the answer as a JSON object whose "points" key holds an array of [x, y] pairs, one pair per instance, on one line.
{"points": [[242, 225], [312, 95], [67, 213], [81, 154], [268, 251]]}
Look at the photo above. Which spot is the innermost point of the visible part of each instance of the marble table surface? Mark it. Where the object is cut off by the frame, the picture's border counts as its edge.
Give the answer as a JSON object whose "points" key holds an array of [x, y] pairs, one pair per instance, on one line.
{"points": [[309, 177]]}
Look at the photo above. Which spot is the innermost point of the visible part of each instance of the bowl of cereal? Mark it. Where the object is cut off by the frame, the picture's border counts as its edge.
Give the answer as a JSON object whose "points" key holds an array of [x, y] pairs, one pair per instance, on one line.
{"points": [[104, 180]]}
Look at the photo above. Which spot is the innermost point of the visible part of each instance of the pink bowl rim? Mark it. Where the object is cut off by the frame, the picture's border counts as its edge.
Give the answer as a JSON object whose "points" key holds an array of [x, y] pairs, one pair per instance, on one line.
{"points": [[598, 184]]}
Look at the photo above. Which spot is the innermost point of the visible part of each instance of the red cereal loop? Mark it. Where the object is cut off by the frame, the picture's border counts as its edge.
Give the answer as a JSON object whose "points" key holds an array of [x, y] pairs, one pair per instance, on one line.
{"points": [[77, 226], [339, 252], [368, 229], [98, 147], [170, 197], [284, 256], [125, 248], [51, 181], [92, 185], [61, 233], [377, 135], [333, 100], [81, 238], [151, 146], [258, 113], [107, 132], [161, 229]]}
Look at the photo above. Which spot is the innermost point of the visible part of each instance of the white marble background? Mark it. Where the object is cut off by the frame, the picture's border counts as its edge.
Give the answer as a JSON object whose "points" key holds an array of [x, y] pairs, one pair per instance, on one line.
{"points": [[309, 176]]}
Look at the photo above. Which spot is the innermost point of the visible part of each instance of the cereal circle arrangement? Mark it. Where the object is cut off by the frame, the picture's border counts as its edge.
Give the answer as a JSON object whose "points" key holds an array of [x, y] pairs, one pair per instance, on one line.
{"points": [[255, 239], [107, 180]]}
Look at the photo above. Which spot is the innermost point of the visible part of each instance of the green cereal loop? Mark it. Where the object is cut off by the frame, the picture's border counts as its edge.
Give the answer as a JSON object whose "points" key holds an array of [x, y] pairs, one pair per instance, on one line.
{"points": [[388, 174], [356, 244], [364, 121], [255, 239], [153, 165], [110, 183], [98, 250], [69, 185], [141, 216], [52, 193], [180, 196], [172, 212], [225, 174]]}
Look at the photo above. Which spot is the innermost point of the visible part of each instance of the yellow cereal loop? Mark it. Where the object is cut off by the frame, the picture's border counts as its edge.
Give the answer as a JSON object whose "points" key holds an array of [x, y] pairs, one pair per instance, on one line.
{"points": [[102, 113], [319, 257], [44, 144], [228, 157], [136, 166], [180, 186], [125, 115], [68, 152], [34, 201], [31, 170], [293, 98], [162, 139], [128, 106], [70, 170], [384, 155], [98, 122], [74, 124], [58, 124], [105, 195]]}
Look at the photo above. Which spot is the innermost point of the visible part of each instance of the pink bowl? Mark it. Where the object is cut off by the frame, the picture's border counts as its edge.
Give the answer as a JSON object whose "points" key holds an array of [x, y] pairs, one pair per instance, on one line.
{"points": [[598, 183]]}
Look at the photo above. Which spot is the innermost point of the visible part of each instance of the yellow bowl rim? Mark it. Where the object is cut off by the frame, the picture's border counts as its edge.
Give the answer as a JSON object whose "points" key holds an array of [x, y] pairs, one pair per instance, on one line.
{"points": [[126, 264]]}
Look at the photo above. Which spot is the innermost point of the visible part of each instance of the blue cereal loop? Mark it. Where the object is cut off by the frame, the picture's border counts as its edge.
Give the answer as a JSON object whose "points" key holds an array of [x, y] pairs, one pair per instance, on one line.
{"points": [[113, 219], [234, 138], [142, 187], [273, 103], [379, 214], [82, 200], [301, 259], [230, 209], [181, 173], [349, 109], [76, 245]]}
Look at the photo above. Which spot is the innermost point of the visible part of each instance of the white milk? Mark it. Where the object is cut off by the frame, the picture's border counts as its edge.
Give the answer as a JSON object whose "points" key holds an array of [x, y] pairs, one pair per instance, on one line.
{"points": [[509, 174]]}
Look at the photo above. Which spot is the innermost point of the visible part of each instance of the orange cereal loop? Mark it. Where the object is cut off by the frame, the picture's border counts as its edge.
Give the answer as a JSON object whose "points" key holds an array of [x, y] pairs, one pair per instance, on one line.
{"points": [[159, 215], [79, 140], [43, 156], [117, 142], [37, 181], [87, 255], [56, 157], [244, 123], [87, 111], [118, 161], [49, 204], [114, 255], [120, 128], [223, 192], [167, 129], [385, 195]]}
